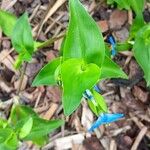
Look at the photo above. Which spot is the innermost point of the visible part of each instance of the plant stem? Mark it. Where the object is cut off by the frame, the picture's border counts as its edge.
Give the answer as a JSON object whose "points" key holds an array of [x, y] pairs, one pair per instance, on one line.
{"points": [[50, 41], [21, 78]]}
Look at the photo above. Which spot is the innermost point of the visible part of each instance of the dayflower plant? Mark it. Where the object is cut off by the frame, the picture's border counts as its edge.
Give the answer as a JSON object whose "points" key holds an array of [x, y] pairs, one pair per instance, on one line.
{"points": [[24, 124], [82, 63], [138, 39]]}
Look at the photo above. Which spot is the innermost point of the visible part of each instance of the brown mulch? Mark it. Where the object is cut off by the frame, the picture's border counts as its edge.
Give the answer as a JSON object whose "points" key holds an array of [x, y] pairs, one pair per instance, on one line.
{"points": [[130, 97]]}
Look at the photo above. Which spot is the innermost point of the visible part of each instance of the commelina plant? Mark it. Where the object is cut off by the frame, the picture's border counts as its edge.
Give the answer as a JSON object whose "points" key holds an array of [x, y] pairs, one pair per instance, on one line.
{"points": [[139, 37], [83, 62]]}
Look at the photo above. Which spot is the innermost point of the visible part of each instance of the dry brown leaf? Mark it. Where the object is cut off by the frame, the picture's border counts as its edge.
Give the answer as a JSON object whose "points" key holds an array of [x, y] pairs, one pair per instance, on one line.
{"points": [[103, 25], [140, 94], [117, 19]]}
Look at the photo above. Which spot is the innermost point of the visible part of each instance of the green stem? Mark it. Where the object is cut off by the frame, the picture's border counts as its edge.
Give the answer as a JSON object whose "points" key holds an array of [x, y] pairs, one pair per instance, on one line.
{"points": [[50, 41], [21, 78]]}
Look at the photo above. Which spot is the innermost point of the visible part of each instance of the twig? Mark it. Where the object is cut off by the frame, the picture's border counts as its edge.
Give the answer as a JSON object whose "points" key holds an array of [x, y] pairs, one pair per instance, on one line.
{"points": [[113, 145], [139, 138], [49, 13]]}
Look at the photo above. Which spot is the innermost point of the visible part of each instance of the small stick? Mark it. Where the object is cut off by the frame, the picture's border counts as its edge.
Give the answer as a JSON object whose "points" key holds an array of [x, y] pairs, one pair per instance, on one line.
{"points": [[49, 13], [113, 145], [48, 115], [139, 138]]}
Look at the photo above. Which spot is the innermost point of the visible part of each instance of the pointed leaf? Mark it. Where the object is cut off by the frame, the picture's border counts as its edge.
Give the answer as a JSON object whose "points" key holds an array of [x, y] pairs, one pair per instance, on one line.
{"points": [[25, 130], [100, 100], [138, 23], [7, 22], [111, 70], [93, 107], [141, 51], [76, 78], [20, 112], [84, 38], [42, 127], [22, 39], [100, 106], [8, 139], [137, 6], [47, 74]]}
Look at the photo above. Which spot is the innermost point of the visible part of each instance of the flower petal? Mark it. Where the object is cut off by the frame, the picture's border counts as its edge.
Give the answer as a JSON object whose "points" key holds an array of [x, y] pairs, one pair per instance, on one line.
{"points": [[105, 119]]}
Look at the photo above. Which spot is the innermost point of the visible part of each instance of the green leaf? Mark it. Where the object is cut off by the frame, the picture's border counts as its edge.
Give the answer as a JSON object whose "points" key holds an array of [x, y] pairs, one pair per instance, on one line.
{"points": [[42, 127], [25, 130], [47, 74], [22, 39], [111, 70], [19, 61], [138, 23], [141, 51], [123, 46], [84, 38], [122, 4], [101, 102], [3, 123], [8, 139], [29, 126], [20, 112], [93, 107], [7, 22], [99, 106], [36, 45], [42, 140], [77, 76], [137, 6]]}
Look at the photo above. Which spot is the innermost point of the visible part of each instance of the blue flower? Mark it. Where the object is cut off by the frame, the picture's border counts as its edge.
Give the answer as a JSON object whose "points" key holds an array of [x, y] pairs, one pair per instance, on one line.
{"points": [[97, 89], [89, 96], [111, 40], [113, 45], [105, 118]]}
